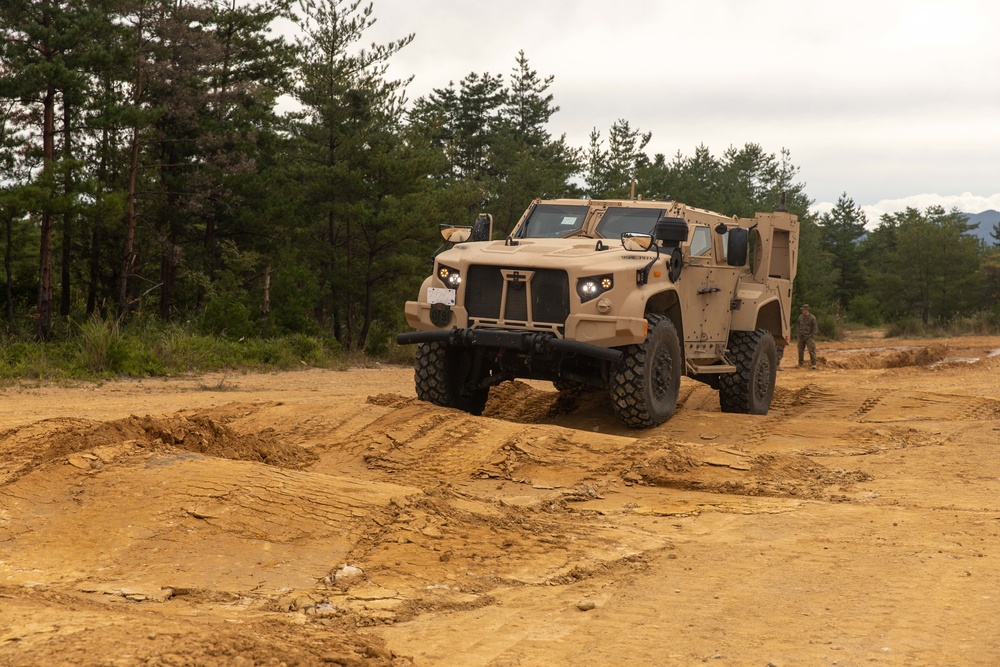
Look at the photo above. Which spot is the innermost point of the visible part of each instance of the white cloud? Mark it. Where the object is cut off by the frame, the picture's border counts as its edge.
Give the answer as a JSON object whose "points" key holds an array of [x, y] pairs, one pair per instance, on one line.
{"points": [[875, 99], [965, 202]]}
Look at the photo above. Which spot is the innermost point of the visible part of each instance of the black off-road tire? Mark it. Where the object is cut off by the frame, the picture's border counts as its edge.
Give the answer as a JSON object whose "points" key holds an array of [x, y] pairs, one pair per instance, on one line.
{"points": [[568, 385], [749, 390], [646, 382], [439, 373]]}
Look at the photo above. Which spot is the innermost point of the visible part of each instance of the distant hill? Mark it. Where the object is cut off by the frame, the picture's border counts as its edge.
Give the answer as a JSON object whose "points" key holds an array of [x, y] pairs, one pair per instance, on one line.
{"points": [[984, 222]]}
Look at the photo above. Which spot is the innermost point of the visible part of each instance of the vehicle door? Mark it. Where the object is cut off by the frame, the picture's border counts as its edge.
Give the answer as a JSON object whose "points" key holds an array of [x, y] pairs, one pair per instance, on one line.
{"points": [[706, 288]]}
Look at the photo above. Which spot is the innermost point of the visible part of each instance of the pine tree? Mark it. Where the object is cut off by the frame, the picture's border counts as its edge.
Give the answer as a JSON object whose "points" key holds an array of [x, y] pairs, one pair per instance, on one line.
{"points": [[527, 163], [39, 39], [347, 142], [842, 228], [611, 172], [924, 264]]}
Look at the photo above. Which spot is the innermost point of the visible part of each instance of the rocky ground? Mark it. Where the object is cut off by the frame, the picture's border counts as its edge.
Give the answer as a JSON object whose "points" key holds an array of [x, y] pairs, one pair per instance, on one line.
{"points": [[324, 517]]}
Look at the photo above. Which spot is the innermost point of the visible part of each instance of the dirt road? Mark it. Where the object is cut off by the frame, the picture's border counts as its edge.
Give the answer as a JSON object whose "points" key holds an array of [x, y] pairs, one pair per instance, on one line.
{"points": [[325, 517]]}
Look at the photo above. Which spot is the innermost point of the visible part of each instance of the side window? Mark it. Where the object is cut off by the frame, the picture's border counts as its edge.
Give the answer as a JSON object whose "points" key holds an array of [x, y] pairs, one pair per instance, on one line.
{"points": [[701, 241]]}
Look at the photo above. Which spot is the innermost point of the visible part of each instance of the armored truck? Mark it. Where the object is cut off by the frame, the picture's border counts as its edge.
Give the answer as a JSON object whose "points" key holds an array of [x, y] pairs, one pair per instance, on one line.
{"points": [[622, 296]]}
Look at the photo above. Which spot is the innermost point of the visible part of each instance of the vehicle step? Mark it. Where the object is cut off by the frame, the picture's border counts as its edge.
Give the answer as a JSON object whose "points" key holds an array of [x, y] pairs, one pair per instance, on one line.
{"points": [[714, 368]]}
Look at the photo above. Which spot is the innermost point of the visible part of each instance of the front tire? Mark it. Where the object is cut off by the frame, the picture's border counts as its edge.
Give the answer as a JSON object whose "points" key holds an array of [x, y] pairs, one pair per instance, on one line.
{"points": [[646, 382], [440, 373], [749, 390]]}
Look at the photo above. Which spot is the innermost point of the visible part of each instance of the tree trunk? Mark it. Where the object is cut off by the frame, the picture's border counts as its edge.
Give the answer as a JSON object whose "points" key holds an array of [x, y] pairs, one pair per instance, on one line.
{"points": [[95, 237], [349, 305], [44, 323], [168, 274], [95, 275], [338, 333], [267, 290], [68, 216], [128, 256], [369, 303], [6, 265]]}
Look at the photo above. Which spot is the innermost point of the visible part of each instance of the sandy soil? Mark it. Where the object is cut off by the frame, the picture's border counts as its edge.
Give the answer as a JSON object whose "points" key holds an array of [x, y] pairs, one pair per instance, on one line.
{"points": [[324, 517]]}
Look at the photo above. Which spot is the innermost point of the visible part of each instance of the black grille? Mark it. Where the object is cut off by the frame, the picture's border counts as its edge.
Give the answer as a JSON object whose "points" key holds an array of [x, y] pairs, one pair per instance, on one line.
{"points": [[548, 290], [483, 291], [550, 296]]}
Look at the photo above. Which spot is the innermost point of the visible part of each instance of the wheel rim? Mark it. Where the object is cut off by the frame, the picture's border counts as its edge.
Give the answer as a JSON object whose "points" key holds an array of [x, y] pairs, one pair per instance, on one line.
{"points": [[662, 375]]}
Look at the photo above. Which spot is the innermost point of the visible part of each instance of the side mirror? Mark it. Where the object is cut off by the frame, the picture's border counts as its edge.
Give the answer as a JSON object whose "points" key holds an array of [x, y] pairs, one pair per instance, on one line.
{"points": [[671, 231], [737, 247], [635, 242], [482, 228], [455, 234]]}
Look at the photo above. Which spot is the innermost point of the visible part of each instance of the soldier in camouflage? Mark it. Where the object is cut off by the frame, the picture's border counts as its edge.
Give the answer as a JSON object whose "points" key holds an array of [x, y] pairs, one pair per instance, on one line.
{"points": [[807, 330]]}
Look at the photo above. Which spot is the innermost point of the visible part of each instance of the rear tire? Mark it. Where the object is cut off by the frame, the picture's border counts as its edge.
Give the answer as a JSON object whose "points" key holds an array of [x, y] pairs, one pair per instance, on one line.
{"points": [[749, 390], [440, 372], [646, 382], [568, 385]]}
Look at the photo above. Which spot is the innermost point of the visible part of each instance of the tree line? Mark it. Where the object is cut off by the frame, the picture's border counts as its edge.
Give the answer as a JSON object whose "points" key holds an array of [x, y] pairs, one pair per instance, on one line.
{"points": [[180, 160]]}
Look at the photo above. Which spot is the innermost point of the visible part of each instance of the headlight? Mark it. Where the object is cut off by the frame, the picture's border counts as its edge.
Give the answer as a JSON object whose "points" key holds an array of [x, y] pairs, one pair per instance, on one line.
{"points": [[449, 276], [593, 286]]}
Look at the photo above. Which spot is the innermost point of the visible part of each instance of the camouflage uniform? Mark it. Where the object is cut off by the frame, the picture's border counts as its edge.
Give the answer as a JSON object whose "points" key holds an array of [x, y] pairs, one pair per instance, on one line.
{"points": [[807, 329]]}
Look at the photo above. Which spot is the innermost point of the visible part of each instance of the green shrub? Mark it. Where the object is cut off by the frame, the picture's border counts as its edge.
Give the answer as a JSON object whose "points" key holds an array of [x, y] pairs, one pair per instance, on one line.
{"points": [[906, 327], [399, 354], [224, 315], [100, 346], [378, 340], [294, 292], [305, 348], [864, 310], [829, 326], [39, 361]]}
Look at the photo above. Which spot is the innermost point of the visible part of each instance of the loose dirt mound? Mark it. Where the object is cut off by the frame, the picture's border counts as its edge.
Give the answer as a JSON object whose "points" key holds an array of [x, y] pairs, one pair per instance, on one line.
{"points": [[924, 356], [52, 440], [724, 470], [518, 402]]}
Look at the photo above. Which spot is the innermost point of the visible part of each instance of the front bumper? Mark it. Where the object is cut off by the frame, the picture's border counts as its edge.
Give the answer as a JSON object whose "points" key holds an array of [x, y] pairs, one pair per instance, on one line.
{"points": [[527, 342], [597, 330]]}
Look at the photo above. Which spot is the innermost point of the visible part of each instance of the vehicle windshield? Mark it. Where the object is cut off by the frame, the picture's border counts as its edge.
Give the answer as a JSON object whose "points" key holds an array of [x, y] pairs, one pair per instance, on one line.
{"points": [[553, 221], [619, 220]]}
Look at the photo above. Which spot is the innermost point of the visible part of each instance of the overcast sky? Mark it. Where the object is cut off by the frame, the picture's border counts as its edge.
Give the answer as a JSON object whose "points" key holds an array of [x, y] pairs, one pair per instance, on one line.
{"points": [[894, 103]]}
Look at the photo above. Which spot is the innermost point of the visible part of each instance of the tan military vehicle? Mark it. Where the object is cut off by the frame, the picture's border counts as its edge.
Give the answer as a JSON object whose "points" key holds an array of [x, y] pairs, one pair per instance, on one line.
{"points": [[622, 295]]}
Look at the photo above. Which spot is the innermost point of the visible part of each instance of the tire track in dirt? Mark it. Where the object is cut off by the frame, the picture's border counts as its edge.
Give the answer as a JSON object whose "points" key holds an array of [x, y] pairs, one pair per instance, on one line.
{"points": [[256, 516], [867, 405], [422, 450], [981, 409], [424, 444]]}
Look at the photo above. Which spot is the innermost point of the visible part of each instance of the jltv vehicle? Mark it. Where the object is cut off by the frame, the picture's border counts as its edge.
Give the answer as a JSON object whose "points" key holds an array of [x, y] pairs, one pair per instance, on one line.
{"points": [[622, 295]]}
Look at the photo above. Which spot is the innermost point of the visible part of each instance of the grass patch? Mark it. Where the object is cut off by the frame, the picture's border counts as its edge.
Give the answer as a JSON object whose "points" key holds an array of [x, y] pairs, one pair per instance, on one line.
{"points": [[101, 349], [983, 323]]}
